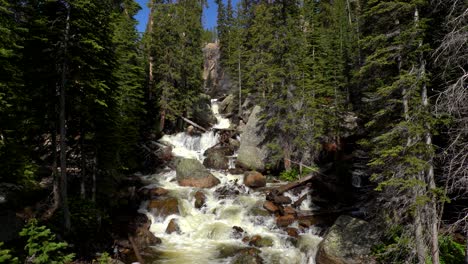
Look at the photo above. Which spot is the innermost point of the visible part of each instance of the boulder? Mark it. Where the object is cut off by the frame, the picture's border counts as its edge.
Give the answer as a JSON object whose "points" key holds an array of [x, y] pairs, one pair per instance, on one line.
{"points": [[224, 150], [285, 220], [289, 210], [158, 191], [348, 241], [281, 199], [237, 232], [292, 232], [270, 207], [190, 172], [172, 227], [216, 159], [200, 199], [252, 155], [164, 207], [228, 105], [247, 256], [254, 179], [259, 241]]}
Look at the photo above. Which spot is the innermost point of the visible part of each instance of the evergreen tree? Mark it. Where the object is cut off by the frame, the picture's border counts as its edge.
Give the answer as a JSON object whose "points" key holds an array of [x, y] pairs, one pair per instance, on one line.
{"points": [[400, 125]]}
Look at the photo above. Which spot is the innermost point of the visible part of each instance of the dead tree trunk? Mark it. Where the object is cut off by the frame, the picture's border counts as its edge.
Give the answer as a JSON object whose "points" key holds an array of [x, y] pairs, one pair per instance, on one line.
{"points": [[63, 135]]}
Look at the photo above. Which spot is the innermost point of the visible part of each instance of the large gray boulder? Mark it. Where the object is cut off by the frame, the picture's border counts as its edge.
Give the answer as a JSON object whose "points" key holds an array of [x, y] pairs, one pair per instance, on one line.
{"points": [[349, 241], [190, 172], [228, 106], [216, 159], [252, 155]]}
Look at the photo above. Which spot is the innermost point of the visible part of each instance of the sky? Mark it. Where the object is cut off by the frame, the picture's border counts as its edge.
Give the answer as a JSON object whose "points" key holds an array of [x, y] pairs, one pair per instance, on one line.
{"points": [[209, 15]]}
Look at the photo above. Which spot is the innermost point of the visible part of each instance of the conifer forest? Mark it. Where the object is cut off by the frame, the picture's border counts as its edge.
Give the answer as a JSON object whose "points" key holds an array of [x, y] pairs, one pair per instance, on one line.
{"points": [[290, 131]]}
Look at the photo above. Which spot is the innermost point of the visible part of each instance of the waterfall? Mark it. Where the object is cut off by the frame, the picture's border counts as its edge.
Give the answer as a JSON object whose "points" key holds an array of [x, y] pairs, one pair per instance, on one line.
{"points": [[207, 232]]}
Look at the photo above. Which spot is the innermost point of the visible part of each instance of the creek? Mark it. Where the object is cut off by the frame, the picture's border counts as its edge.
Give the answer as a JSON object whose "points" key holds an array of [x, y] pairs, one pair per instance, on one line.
{"points": [[206, 235]]}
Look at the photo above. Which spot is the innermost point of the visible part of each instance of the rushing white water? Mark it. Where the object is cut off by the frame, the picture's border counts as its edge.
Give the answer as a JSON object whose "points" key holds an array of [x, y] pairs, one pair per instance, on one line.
{"points": [[223, 123], [208, 232]]}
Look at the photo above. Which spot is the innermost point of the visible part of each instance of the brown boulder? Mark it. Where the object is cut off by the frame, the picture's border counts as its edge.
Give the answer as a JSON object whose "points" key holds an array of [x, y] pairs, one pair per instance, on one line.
{"points": [[158, 191], [164, 207], [254, 179], [285, 220], [289, 210], [292, 232], [172, 227], [206, 182], [270, 207], [144, 238], [200, 199], [282, 199]]}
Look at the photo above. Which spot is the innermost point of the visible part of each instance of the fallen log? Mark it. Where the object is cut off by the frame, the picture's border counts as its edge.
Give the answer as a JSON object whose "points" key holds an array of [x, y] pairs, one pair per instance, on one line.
{"points": [[293, 184], [300, 200], [193, 123]]}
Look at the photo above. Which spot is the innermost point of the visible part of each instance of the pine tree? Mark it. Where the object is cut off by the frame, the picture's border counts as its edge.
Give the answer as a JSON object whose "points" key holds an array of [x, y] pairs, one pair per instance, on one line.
{"points": [[402, 152]]}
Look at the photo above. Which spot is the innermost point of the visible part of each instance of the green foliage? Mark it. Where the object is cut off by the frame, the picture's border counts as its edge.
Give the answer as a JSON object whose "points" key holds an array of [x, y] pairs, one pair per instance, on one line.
{"points": [[42, 246], [451, 252], [294, 174], [6, 257], [289, 175], [104, 258]]}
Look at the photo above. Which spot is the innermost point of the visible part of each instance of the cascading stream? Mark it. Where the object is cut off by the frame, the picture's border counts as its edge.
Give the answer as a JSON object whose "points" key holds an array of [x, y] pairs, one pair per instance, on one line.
{"points": [[208, 232]]}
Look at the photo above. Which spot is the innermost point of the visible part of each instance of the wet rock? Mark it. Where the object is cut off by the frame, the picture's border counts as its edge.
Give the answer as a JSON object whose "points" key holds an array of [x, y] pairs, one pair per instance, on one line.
{"points": [[270, 207], [224, 150], [172, 227], [349, 241], [259, 212], [229, 250], [200, 199], [237, 232], [289, 210], [282, 199], [216, 159], [234, 143], [236, 171], [252, 155], [259, 241], [141, 235], [164, 207], [227, 106], [190, 172], [254, 179], [305, 223], [158, 191], [248, 256], [292, 232], [285, 220]]}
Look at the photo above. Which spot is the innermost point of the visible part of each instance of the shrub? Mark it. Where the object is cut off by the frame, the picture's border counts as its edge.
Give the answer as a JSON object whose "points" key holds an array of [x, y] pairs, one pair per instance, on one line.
{"points": [[42, 247], [6, 257]]}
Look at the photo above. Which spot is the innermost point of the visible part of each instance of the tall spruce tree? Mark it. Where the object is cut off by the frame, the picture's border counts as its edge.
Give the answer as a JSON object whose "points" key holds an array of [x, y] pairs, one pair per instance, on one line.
{"points": [[401, 146]]}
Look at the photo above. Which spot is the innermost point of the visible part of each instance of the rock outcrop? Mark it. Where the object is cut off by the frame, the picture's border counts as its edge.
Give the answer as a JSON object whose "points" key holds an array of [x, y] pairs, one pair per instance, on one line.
{"points": [[190, 172], [252, 155], [349, 241]]}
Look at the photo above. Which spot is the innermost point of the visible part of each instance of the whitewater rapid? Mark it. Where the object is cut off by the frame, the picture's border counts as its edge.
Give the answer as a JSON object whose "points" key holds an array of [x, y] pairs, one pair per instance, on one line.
{"points": [[208, 232]]}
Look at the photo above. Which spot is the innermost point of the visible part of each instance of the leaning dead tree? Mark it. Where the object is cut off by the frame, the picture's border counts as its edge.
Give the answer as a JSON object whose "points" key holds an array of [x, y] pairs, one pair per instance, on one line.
{"points": [[452, 54]]}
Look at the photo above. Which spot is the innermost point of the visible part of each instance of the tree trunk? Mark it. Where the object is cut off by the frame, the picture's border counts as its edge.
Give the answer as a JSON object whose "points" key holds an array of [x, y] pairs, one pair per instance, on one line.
{"points": [[149, 30], [240, 83], [63, 135]]}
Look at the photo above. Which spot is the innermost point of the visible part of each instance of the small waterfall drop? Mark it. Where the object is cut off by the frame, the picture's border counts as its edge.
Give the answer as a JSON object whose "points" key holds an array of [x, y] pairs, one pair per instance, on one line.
{"points": [[207, 233]]}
